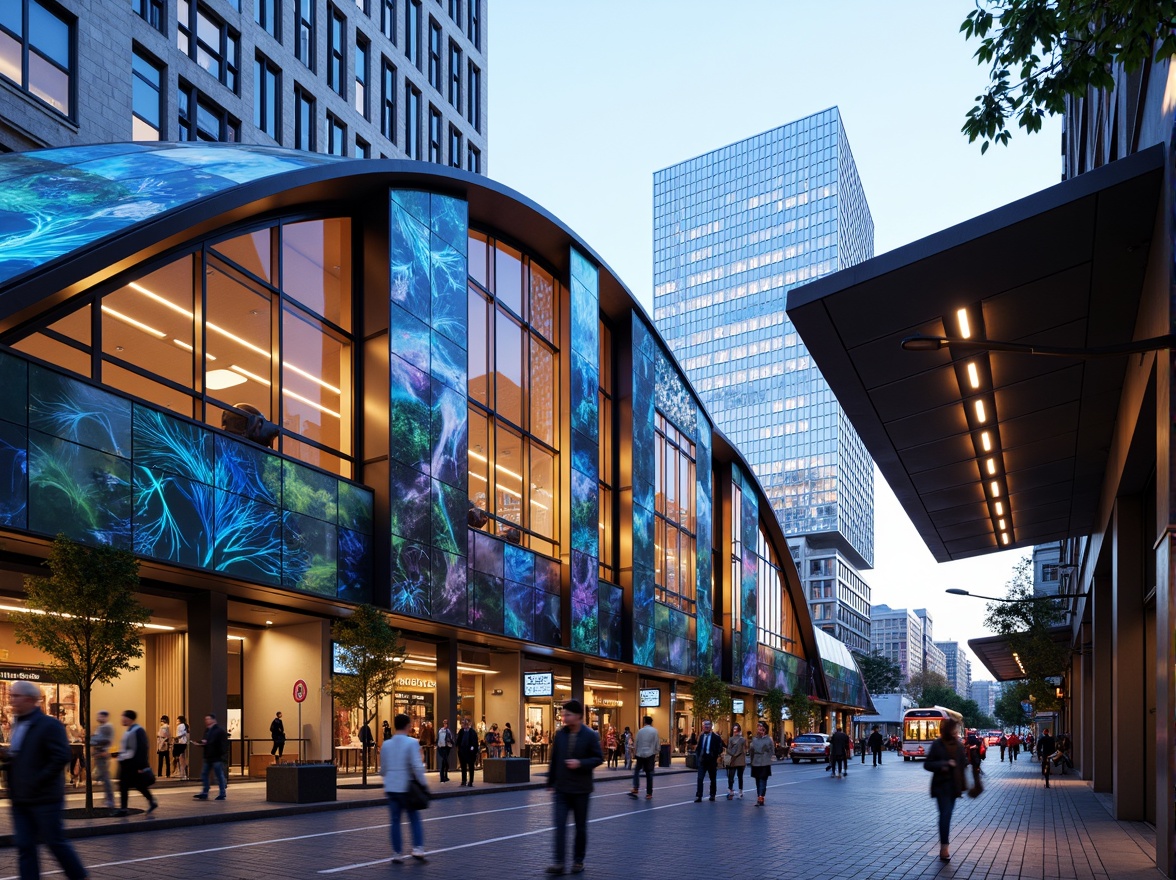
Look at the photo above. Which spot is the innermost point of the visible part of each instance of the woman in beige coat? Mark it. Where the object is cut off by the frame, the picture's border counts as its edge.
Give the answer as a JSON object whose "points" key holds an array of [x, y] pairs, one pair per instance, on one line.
{"points": [[736, 760], [763, 752]]}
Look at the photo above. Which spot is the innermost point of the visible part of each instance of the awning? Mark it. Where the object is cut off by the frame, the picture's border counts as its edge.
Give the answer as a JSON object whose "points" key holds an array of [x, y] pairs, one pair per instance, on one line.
{"points": [[996, 653], [1063, 267]]}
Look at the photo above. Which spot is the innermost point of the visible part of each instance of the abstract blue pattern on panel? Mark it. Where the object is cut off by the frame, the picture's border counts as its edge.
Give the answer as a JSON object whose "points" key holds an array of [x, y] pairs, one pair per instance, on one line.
{"points": [[408, 337], [519, 565], [449, 220], [166, 444], [248, 539], [79, 491], [449, 278], [14, 389], [447, 436], [14, 482], [78, 412], [409, 573], [310, 492], [518, 610], [409, 256], [585, 514], [704, 510], [585, 589], [672, 397], [174, 517], [749, 576], [486, 612], [643, 565], [610, 620], [355, 565], [547, 625], [246, 469], [310, 551]]}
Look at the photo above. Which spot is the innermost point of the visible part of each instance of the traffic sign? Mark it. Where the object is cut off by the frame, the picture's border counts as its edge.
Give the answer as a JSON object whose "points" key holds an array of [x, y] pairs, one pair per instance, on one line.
{"points": [[299, 691]]}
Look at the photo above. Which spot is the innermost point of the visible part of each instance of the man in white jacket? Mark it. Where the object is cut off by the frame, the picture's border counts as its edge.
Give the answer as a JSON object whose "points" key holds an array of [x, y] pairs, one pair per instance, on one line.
{"points": [[648, 743], [400, 761]]}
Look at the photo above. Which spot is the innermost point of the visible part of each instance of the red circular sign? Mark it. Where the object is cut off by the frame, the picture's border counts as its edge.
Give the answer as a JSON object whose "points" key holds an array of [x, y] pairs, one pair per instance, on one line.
{"points": [[299, 691]]}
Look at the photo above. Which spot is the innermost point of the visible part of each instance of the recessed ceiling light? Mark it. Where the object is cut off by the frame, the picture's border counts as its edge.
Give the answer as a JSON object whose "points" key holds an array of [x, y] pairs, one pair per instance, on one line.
{"points": [[962, 317], [220, 379], [981, 415], [973, 375], [986, 441]]}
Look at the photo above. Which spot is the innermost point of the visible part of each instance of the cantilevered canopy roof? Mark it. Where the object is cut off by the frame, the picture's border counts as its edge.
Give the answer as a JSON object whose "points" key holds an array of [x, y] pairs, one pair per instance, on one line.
{"points": [[1063, 267], [996, 653]]}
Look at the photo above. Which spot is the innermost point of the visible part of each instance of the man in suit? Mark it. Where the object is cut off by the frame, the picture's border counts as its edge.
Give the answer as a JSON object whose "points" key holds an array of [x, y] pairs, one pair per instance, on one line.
{"points": [[839, 747], [444, 746], [37, 753], [875, 743], [216, 752], [707, 752], [575, 753], [467, 751], [134, 765]]}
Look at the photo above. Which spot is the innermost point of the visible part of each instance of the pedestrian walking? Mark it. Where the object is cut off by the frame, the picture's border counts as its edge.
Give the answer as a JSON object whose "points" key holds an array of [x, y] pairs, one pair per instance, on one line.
{"points": [[1027, 743], [467, 751], [444, 746], [180, 747], [1003, 742], [163, 748], [627, 747], [216, 751], [100, 743], [386, 732], [134, 765], [875, 743], [706, 754], [575, 753], [762, 751], [1046, 746], [946, 760], [278, 736], [975, 751], [493, 742], [861, 747], [35, 760], [1014, 745], [839, 746], [507, 741], [611, 747], [736, 760], [366, 741], [645, 750], [400, 762]]}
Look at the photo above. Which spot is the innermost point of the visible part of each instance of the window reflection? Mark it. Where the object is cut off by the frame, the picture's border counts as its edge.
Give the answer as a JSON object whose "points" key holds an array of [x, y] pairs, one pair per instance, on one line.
{"points": [[238, 339], [148, 323], [314, 380], [253, 252], [314, 268]]}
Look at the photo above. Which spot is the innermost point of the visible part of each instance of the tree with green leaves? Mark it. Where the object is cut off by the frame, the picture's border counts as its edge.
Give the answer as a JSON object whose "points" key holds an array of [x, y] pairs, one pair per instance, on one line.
{"points": [[802, 710], [370, 652], [773, 709], [712, 697], [1027, 621], [926, 687], [881, 674], [86, 617], [1039, 52]]}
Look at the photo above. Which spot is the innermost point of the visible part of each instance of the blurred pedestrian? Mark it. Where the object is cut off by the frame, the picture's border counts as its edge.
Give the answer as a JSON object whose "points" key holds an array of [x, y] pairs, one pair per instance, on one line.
{"points": [[400, 762], [1003, 742], [875, 743], [163, 748], [575, 753], [216, 752], [100, 744], [762, 751], [507, 741], [646, 747], [134, 765], [946, 760], [627, 747], [839, 752]]}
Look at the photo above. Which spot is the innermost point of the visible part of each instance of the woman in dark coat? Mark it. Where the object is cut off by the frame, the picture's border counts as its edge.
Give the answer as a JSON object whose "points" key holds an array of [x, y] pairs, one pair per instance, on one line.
{"points": [[946, 759]]}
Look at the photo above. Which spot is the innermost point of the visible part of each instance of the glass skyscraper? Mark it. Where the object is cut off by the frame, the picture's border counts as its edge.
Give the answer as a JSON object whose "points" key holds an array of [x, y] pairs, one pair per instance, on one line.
{"points": [[734, 230]]}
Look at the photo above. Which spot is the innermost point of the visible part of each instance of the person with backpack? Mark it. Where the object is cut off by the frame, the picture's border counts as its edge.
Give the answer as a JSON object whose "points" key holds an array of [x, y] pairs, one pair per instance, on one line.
{"points": [[508, 741]]}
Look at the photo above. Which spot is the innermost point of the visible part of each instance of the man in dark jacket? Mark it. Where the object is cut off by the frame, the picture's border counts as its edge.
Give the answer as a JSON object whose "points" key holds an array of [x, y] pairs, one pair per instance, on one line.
{"points": [[875, 743], [839, 752], [1045, 747], [278, 735], [575, 753], [134, 765], [216, 752], [706, 754], [34, 760], [467, 751]]}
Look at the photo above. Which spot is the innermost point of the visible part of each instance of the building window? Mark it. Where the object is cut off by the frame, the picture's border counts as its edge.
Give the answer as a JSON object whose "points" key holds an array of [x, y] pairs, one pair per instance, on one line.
{"points": [[776, 619], [361, 78], [474, 25], [434, 135], [268, 14], [209, 42], [151, 11], [434, 55], [336, 64], [202, 119], [336, 136], [455, 11], [455, 76], [474, 98], [608, 561], [388, 19], [513, 390], [412, 122], [267, 90], [474, 160], [362, 6], [388, 100], [304, 121], [412, 32], [147, 97], [454, 147], [1049, 573], [363, 150], [304, 24], [673, 534], [37, 52]]}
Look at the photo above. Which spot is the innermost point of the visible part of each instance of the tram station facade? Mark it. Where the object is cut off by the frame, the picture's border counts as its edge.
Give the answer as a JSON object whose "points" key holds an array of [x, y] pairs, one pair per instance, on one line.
{"points": [[291, 383]]}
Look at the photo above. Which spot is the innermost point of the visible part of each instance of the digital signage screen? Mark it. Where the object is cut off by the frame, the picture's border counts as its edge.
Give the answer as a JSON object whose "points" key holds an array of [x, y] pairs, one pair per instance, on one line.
{"points": [[650, 698], [538, 684], [737, 707]]}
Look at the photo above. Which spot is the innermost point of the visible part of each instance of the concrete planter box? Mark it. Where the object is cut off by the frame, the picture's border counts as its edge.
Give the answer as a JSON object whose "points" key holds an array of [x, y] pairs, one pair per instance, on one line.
{"points": [[691, 761], [300, 783], [506, 770]]}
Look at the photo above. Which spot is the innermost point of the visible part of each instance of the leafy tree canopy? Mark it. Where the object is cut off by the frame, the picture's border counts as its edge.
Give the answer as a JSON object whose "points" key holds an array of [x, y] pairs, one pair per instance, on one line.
{"points": [[1041, 51], [802, 710], [712, 697], [773, 705], [882, 675]]}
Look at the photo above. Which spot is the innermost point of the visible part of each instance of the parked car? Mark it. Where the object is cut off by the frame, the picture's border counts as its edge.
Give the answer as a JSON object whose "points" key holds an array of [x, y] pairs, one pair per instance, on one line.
{"points": [[810, 747]]}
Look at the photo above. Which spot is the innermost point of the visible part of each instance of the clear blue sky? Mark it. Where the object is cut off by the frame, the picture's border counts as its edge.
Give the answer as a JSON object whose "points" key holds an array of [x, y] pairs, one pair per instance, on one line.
{"points": [[588, 99]]}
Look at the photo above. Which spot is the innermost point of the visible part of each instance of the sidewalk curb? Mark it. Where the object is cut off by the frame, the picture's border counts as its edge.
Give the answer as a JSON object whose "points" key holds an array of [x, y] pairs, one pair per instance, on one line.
{"points": [[125, 826]]}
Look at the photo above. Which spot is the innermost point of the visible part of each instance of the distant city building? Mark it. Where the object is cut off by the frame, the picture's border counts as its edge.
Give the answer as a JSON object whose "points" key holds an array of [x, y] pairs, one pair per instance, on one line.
{"points": [[734, 230], [366, 79], [985, 694], [959, 668], [1047, 578], [897, 633], [934, 659]]}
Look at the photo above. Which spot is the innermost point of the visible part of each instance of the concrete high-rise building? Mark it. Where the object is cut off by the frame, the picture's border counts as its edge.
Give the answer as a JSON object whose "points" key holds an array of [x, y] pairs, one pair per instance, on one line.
{"points": [[986, 693], [959, 668], [1047, 559], [897, 633], [934, 660], [734, 230], [360, 78]]}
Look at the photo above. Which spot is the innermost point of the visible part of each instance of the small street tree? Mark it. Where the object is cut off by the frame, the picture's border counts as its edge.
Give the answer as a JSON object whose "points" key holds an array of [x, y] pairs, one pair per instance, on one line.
{"points": [[712, 697], [86, 617], [802, 710], [925, 688], [773, 705], [882, 675], [370, 652]]}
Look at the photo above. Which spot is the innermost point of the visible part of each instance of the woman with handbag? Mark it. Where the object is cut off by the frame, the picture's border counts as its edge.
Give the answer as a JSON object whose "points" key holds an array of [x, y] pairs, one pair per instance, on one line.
{"points": [[946, 759], [404, 784]]}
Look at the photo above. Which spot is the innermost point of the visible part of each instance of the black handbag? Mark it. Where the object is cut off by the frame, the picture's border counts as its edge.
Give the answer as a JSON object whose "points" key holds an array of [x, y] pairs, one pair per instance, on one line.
{"points": [[417, 797]]}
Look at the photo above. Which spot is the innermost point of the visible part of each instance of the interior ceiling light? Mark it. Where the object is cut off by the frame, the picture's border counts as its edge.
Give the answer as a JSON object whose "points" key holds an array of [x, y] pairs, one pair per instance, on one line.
{"points": [[248, 375], [986, 441], [962, 317], [1000, 508], [23, 610], [1000, 524], [309, 402], [138, 325], [217, 380], [1004, 537], [995, 487], [990, 465], [981, 415], [973, 375]]}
